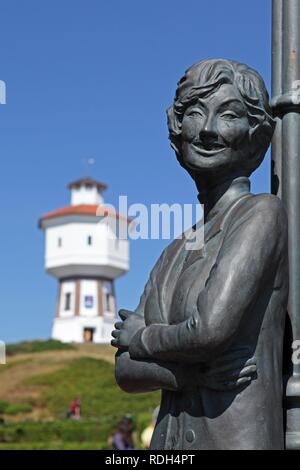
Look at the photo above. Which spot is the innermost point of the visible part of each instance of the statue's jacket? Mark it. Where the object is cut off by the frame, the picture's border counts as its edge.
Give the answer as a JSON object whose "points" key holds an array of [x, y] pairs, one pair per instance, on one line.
{"points": [[199, 306]]}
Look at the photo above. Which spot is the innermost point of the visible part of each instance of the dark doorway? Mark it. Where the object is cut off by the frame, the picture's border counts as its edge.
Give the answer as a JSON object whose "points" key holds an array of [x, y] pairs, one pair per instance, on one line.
{"points": [[88, 335]]}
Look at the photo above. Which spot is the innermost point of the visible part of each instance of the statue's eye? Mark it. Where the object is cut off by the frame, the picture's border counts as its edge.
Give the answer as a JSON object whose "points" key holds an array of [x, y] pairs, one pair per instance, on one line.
{"points": [[194, 112], [229, 116]]}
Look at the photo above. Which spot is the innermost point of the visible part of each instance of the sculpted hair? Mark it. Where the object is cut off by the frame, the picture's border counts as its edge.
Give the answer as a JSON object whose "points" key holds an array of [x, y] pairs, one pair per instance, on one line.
{"points": [[205, 78]]}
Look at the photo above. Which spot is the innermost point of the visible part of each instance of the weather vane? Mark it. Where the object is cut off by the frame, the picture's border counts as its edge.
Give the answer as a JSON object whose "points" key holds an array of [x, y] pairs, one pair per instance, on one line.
{"points": [[88, 163]]}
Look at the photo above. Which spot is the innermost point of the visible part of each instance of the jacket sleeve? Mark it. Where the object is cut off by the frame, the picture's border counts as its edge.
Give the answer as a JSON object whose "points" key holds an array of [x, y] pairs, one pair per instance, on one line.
{"points": [[248, 259], [147, 375], [139, 376]]}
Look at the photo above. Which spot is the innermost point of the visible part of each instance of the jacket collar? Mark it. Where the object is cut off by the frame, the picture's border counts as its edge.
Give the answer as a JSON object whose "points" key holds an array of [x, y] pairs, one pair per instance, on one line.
{"points": [[239, 188]]}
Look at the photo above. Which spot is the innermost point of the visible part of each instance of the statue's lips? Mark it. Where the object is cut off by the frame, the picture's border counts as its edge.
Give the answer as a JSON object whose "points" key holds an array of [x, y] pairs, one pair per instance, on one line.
{"points": [[209, 150]]}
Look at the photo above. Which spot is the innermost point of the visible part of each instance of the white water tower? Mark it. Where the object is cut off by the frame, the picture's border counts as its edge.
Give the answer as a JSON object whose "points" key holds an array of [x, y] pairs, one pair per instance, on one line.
{"points": [[84, 253]]}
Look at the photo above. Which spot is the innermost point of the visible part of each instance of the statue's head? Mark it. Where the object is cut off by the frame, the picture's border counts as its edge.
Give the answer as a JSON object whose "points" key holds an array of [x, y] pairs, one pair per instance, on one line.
{"points": [[220, 121]]}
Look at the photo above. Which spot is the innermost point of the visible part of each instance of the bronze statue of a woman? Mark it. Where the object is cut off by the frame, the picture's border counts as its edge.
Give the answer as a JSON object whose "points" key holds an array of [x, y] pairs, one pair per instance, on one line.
{"points": [[209, 328]]}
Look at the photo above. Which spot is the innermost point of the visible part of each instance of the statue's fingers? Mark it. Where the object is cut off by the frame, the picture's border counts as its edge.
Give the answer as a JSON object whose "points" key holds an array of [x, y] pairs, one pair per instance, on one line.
{"points": [[114, 343], [230, 376], [232, 385], [248, 371], [119, 325], [123, 314], [220, 385], [243, 381], [116, 333], [251, 362], [233, 374], [227, 385]]}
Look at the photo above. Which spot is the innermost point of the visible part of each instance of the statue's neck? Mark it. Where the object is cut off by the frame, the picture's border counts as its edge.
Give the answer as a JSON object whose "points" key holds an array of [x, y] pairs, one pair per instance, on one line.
{"points": [[216, 199]]}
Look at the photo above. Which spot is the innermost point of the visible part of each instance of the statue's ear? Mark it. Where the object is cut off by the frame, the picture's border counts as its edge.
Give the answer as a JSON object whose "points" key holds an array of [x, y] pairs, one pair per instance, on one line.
{"points": [[260, 135], [261, 132], [254, 131], [172, 121]]}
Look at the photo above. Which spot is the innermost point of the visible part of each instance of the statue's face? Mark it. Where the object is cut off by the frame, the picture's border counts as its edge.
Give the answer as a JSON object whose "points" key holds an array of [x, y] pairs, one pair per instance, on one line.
{"points": [[215, 132]]}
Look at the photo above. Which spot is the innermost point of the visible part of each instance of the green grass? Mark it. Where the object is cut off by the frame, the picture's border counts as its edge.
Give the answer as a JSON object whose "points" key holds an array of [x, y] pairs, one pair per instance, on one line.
{"points": [[54, 431], [50, 393], [55, 445], [64, 434], [37, 346], [93, 381], [13, 408]]}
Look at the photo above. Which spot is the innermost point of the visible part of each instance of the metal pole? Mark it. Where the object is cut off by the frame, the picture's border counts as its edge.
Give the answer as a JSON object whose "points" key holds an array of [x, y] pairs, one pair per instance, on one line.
{"points": [[276, 152], [287, 107]]}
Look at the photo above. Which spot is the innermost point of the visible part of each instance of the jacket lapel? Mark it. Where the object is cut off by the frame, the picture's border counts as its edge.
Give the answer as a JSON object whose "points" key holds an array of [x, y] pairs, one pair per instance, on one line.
{"points": [[182, 252], [169, 273], [189, 248]]}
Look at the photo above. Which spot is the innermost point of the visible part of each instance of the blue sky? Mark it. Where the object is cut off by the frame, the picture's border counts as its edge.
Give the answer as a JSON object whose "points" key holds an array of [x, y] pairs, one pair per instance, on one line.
{"points": [[92, 78]]}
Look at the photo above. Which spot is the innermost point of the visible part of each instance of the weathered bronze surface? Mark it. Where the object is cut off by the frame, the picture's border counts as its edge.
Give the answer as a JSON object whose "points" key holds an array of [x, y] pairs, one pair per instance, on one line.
{"points": [[286, 185], [209, 327]]}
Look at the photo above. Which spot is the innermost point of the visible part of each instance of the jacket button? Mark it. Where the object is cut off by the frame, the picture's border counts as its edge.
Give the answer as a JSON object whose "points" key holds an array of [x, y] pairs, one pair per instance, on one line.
{"points": [[190, 435]]}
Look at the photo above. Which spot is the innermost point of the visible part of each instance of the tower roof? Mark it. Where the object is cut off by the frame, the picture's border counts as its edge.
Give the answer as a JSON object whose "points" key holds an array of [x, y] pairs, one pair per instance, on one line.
{"points": [[88, 182], [84, 210]]}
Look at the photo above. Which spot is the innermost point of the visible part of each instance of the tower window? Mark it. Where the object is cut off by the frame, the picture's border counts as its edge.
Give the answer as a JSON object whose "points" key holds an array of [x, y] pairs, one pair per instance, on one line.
{"points": [[108, 297], [107, 287], [89, 240], [88, 301], [59, 242], [68, 301]]}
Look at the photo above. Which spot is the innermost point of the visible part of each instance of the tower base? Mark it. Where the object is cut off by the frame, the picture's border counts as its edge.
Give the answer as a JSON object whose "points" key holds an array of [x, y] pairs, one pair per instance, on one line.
{"points": [[82, 329]]}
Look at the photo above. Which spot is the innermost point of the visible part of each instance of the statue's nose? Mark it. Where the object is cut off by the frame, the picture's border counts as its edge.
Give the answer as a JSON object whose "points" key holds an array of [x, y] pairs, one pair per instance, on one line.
{"points": [[208, 133], [208, 136]]}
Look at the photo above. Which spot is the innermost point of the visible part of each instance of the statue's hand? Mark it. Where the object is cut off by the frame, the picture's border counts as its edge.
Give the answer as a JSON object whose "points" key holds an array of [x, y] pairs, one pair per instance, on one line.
{"points": [[126, 329], [231, 372]]}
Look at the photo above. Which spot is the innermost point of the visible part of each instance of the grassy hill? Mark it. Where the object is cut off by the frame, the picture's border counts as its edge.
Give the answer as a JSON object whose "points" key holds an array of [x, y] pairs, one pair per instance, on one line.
{"points": [[39, 381]]}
